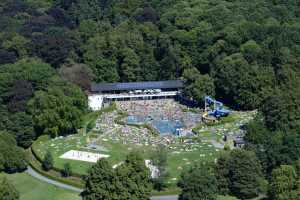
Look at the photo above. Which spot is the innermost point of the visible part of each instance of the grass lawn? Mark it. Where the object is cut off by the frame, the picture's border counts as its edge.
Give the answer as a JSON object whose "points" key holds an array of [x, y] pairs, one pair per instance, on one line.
{"points": [[177, 160], [33, 189], [180, 155]]}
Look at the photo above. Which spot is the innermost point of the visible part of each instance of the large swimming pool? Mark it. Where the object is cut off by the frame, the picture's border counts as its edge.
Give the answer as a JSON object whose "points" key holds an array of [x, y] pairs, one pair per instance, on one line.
{"points": [[164, 127]]}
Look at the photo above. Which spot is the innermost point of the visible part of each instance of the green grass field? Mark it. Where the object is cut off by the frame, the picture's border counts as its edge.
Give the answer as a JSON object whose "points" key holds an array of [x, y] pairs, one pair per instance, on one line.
{"points": [[177, 160], [33, 189], [180, 155]]}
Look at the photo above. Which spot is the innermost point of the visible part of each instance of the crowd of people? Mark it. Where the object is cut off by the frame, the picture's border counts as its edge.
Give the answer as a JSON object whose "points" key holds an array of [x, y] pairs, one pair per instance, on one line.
{"points": [[160, 109], [127, 134]]}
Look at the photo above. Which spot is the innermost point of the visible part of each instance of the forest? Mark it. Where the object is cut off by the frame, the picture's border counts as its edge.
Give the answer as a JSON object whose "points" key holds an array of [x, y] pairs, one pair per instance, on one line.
{"points": [[245, 53]]}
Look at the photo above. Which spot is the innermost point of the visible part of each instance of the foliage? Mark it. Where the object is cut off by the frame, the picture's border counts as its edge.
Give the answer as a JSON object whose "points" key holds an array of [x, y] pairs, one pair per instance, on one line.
{"points": [[199, 182], [281, 110], [58, 111], [48, 162], [284, 183], [7, 190], [12, 158], [222, 172], [101, 182], [159, 159], [240, 174], [131, 180], [67, 171], [18, 82], [78, 74], [134, 178], [245, 53], [198, 86], [237, 81]]}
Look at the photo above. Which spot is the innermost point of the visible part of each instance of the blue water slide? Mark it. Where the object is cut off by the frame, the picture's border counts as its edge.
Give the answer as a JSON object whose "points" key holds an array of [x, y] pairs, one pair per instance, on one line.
{"points": [[218, 111], [210, 100]]}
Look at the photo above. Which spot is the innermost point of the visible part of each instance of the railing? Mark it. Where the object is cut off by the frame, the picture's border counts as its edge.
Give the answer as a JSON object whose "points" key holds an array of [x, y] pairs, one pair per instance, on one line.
{"points": [[123, 96]]}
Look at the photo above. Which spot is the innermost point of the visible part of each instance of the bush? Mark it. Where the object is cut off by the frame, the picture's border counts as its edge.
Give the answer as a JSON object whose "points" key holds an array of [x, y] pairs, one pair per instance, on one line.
{"points": [[67, 171], [12, 157], [47, 163]]}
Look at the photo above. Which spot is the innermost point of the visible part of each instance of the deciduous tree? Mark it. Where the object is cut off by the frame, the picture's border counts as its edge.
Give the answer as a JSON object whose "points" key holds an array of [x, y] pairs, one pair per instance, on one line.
{"points": [[198, 183]]}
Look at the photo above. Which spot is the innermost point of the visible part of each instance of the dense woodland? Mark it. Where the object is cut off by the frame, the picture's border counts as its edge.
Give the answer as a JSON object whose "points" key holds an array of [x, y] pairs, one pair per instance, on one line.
{"points": [[245, 53]]}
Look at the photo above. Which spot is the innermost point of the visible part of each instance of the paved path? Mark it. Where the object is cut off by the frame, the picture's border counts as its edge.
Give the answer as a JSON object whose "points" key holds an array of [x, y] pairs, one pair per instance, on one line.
{"points": [[36, 175]]}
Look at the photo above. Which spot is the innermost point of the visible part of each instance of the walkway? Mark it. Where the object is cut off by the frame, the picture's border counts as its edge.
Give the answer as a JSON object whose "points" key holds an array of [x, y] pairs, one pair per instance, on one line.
{"points": [[36, 175]]}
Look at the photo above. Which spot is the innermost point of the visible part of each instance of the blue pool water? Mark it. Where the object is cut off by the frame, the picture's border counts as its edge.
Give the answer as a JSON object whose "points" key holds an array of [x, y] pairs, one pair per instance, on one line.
{"points": [[164, 127]]}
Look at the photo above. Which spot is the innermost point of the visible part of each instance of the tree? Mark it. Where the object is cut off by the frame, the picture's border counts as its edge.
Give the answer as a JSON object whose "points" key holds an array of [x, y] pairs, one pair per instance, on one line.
{"points": [[236, 82], [198, 86], [222, 172], [130, 66], [281, 109], [18, 82], [58, 111], [105, 70], [243, 174], [7, 56], [101, 183], [20, 93], [12, 157], [159, 160], [53, 47], [21, 126], [48, 162], [130, 180], [7, 190], [30, 72], [18, 44], [134, 178], [67, 171], [147, 14], [79, 74], [198, 183], [251, 51], [284, 183]]}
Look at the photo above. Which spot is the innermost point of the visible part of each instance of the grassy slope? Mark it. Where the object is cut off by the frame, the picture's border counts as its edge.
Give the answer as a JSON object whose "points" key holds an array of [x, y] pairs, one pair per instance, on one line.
{"points": [[118, 151], [33, 189]]}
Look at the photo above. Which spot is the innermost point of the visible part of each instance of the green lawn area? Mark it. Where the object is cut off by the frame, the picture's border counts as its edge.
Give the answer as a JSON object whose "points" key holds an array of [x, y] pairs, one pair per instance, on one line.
{"points": [[180, 155], [33, 189], [177, 160]]}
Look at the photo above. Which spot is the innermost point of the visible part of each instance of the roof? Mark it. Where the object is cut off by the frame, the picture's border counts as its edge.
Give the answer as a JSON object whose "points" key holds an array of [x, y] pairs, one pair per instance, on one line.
{"points": [[102, 87]]}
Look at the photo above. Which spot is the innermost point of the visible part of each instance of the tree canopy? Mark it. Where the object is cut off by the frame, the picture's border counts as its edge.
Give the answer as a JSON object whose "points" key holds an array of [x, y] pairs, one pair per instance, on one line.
{"points": [[238, 47], [244, 53], [199, 182], [130, 180]]}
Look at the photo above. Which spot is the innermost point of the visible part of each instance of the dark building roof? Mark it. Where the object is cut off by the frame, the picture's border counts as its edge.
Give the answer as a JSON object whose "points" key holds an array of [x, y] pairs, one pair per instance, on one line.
{"points": [[105, 87]]}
